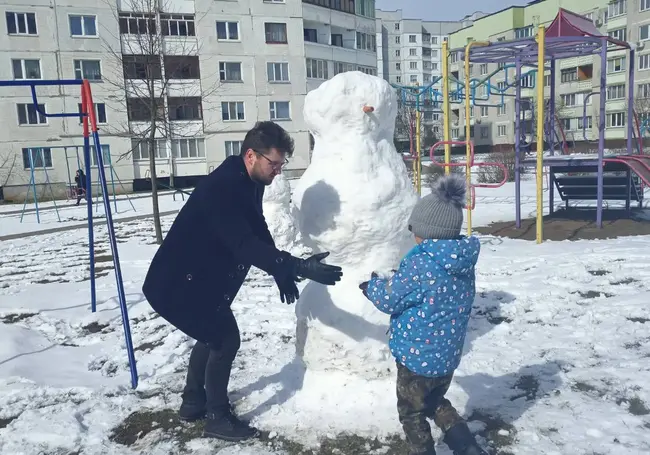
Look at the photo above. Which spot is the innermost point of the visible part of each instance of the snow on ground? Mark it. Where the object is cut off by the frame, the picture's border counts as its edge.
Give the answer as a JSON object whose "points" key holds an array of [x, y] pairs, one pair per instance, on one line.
{"points": [[556, 361]]}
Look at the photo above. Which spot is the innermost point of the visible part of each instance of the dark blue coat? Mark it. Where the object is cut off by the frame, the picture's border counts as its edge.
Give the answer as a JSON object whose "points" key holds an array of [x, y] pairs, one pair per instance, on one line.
{"points": [[205, 257]]}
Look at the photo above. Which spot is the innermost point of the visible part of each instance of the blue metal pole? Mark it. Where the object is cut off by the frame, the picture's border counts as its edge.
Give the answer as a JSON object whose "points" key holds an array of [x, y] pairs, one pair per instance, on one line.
{"points": [[601, 133], [630, 104], [116, 262], [110, 165], [91, 233], [32, 185], [517, 146], [47, 183]]}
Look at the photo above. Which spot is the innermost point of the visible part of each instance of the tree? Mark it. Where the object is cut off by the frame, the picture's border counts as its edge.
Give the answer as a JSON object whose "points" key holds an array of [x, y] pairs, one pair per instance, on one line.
{"points": [[405, 127], [146, 64]]}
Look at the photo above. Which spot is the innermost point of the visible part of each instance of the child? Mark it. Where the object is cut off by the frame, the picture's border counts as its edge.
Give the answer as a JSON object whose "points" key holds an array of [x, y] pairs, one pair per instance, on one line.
{"points": [[430, 300]]}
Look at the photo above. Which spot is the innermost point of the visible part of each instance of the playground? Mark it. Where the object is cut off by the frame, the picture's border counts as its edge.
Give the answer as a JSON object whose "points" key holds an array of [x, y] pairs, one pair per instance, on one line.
{"points": [[555, 360]]}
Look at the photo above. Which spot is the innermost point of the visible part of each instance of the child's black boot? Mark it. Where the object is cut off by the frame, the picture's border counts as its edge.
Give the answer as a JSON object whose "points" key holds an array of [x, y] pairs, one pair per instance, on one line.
{"points": [[461, 440]]}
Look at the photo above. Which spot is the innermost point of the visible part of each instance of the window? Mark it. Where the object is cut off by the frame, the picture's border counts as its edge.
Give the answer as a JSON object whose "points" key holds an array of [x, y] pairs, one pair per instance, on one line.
{"points": [[182, 67], [398, 79], [277, 72], [366, 42], [398, 53], [368, 70], [141, 67], [83, 25], [502, 110], [547, 80], [106, 155], [484, 111], [434, 66], [396, 26], [337, 40], [644, 5], [100, 113], [141, 148], [177, 24], [341, 67], [426, 38], [137, 24], [618, 34], [144, 109], [276, 33], [232, 111], [228, 31], [616, 92], [484, 132], [317, 69], [581, 125], [568, 99], [88, 69], [413, 52], [398, 66], [434, 53], [365, 8], [188, 148], [26, 69], [644, 62], [279, 110], [434, 40], [617, 8], [310, 35], [502, 130], [616, 120], [616, 65], [233, 147], [28, 115], [414, 79], [21, 23], [569, 75], [230, 72], [483, 68], [347, 6], [455, 133], [643, 91], [397, 40], [185, 108], [644, 32], [524, 32], [413, 65], [413, 39], [40, 157]]}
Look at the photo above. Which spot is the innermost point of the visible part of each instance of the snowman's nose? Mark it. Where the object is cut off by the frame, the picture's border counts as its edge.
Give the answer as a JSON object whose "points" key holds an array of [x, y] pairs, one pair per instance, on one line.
{"points": [[368, 109]]}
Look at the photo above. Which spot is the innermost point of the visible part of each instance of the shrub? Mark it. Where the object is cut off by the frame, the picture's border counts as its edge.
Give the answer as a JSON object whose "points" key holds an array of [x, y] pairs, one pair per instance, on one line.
{"points": [[493, 174]]}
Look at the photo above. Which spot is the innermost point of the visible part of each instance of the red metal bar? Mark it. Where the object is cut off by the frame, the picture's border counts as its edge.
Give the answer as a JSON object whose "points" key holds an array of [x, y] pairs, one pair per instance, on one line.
{"points": [[90, 105], [84, 110]]}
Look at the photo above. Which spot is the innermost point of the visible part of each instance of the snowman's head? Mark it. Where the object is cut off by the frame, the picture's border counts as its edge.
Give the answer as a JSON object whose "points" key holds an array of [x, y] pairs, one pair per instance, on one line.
{"points": [[351, 103]]}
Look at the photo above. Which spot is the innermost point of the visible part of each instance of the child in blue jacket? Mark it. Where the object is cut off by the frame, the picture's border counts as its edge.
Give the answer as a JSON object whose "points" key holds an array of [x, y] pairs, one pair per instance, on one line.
{"points": [[429, 300]]}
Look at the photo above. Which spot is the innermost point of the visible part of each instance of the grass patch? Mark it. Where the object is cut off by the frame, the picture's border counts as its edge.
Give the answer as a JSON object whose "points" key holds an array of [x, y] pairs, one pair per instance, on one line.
{"points": [[500, 433], [149, 345], [636, 406], [16, 317], [624, 282], [641, 320], [5, 422], [529, 385], [598, 272], [593, 294], [141, 423], [94, 327]]}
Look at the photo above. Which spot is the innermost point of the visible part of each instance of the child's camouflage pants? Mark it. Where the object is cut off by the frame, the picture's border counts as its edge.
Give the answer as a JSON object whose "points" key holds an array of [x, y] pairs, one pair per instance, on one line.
{"points": [[419, 398]]}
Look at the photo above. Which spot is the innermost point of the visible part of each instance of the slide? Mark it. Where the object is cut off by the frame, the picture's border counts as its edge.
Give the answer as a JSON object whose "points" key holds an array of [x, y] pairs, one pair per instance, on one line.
{"points": [[640, 165]]}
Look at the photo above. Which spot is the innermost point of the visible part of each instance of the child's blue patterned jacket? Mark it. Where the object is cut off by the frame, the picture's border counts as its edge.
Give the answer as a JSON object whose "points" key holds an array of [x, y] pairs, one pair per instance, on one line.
{"points": [[430, 300]]}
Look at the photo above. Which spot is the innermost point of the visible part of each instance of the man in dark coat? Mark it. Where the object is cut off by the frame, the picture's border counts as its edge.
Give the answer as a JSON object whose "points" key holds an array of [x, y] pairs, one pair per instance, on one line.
{"points": [[203, 261]]}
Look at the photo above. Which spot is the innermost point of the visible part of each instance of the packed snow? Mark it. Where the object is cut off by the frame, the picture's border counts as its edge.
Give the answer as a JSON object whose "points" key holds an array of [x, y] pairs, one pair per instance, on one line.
{"points": [[363, 225]]}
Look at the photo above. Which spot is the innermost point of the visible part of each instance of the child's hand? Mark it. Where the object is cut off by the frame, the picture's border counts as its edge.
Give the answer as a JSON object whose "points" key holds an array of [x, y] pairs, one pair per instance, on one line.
{"points": [[364, 288]]}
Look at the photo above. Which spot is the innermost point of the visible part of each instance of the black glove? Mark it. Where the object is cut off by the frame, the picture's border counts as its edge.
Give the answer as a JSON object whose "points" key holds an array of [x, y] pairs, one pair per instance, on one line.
{"points": [[312, 269], [288, 290]]}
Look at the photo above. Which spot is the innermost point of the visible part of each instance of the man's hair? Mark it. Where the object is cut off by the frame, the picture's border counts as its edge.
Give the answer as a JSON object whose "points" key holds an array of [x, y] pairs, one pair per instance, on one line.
{"points": [[265, 136]]}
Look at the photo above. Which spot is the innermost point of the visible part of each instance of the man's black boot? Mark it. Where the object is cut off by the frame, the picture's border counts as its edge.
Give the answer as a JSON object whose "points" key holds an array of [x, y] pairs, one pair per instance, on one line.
{"points": [[225, 425], [461, 441]]}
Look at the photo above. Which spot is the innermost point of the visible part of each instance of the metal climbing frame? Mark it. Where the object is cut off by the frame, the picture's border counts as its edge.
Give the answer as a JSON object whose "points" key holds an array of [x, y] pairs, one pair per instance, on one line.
{"points": [[90, 127]]}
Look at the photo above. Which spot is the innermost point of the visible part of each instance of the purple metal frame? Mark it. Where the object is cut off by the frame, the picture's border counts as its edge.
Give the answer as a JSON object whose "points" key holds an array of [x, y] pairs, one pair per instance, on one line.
{"points": [[524, 53]]}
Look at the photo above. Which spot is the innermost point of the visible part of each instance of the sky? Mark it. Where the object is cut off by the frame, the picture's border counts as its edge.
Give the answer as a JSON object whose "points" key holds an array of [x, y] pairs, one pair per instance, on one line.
{"points": [[440, 10]]}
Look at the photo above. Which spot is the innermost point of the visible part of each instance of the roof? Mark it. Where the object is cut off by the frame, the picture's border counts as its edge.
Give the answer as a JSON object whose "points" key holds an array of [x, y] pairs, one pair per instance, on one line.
{"points": [[569, 35]]}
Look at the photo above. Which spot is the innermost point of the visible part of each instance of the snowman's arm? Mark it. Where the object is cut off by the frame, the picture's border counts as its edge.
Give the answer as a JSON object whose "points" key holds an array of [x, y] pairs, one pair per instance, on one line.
{"points": [[398, 293]]}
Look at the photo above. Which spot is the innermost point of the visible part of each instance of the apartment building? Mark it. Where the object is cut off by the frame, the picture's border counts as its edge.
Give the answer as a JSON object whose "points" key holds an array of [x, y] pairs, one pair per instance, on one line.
{"points": [[214, 68], [575, 78]]}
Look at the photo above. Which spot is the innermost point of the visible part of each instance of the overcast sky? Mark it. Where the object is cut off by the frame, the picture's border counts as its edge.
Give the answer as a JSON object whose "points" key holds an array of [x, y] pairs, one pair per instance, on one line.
{"points": [[445, 10]]}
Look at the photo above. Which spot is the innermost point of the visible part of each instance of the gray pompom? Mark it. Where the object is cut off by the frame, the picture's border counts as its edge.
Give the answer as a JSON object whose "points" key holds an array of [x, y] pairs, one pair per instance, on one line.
{"points": [[451, 189]]}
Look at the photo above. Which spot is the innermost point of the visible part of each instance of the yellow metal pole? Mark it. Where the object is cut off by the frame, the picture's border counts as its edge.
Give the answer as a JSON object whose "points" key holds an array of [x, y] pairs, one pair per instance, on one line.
{"points": [[446, 134], [418, 144], [468, 148], [540, 132]]}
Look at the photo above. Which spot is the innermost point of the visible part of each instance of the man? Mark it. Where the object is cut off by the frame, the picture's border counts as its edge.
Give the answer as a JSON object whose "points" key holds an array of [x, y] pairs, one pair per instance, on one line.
{"points": [[203, 261]]}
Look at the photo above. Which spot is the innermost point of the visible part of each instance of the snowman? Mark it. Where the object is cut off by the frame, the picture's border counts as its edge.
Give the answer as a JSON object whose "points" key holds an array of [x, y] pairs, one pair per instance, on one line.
{"points": [[353, 201]]}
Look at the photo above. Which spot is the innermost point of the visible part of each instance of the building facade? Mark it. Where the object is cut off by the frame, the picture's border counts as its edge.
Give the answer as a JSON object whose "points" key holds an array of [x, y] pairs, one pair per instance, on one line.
{"points": [[575, 78], [206, 70]]}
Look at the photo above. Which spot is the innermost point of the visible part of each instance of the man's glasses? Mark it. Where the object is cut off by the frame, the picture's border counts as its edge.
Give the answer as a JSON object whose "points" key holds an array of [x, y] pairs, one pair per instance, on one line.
{"points": [[274, 164]]}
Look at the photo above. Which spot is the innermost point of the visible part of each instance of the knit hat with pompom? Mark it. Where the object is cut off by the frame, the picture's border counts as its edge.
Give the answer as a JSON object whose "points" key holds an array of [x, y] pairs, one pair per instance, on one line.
{"points": [[439, 215]]}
